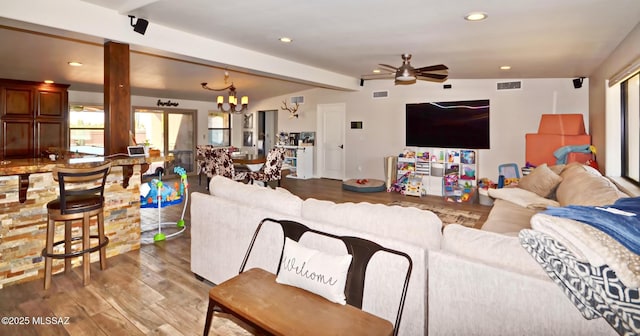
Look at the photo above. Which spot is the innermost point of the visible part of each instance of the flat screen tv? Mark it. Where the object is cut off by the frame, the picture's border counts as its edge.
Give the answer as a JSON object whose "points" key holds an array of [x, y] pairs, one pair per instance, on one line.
{"points": [[457, 124]]}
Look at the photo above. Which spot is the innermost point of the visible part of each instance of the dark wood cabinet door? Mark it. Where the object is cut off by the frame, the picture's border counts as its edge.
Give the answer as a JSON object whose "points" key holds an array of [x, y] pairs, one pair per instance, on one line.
{"points": [[17, 139], [50, 134], [17, 101], [50, 103], [33, 116]]}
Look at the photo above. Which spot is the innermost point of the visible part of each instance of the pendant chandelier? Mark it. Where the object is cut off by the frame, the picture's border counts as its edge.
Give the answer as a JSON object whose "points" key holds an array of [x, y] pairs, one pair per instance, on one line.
{"points": [[231, 105]]}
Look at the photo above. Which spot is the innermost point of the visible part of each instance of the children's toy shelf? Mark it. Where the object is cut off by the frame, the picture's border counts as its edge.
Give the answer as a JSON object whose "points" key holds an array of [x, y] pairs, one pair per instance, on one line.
{"points": [[442, 171], [298, 160]]}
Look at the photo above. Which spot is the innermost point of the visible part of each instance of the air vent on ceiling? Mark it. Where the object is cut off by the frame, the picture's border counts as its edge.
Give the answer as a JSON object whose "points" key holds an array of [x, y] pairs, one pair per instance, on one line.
{"points": [[297, 100], [380, 94], [510, 85]]}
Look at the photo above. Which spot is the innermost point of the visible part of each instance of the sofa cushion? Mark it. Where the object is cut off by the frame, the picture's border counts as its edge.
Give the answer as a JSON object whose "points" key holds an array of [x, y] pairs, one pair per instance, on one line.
{"points": [[407, 224], [256, 196], [315, 271], [585, 186], [508, 218], [541, 181], [522, 197], [490, 248]]}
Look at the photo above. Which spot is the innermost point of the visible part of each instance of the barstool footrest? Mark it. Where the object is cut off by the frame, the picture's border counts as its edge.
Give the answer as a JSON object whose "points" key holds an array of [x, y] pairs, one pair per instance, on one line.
{"points": [[77, 253]]}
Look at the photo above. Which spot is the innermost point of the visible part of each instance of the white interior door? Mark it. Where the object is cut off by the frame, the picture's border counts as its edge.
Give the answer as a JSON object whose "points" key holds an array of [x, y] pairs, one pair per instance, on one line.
{"points": [[331, 136]]}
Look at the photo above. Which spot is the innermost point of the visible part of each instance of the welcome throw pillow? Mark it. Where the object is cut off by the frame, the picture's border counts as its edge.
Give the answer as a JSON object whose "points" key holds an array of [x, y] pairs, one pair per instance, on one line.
{"points": [[315, 271]]}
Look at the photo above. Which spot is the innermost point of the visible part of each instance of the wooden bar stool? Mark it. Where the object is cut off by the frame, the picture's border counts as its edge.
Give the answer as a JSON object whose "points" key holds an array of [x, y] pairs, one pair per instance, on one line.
{"points": [[81, 197]]}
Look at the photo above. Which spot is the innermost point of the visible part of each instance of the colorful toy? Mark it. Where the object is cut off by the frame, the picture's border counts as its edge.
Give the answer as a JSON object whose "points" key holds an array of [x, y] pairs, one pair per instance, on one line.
{"points": [[459, 192], [423, 157], [593, 161], [511, 180], [400, 183], [413, 186], [184, 190], [156, 194], [158, 190], [407, 153], [486, 183]]}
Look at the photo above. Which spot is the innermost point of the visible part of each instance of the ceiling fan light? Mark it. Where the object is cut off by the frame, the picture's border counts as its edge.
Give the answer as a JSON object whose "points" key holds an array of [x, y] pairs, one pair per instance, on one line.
{"points": [[406, 78], [405, 75]]}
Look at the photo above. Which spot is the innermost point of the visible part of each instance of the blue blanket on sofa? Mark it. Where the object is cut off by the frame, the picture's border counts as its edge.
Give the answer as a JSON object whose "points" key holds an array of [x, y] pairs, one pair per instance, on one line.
{"points": [[620, 220]]}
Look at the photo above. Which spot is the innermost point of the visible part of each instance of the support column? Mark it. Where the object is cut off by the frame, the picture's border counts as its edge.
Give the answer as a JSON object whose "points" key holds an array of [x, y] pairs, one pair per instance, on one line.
{"points": [[117, 98]]}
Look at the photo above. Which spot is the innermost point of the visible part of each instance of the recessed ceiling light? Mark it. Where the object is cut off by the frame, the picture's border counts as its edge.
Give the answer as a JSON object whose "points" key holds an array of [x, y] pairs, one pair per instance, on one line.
{"points": [[376, 70], [285, 39], [74, 63], [505, 67], [48, 81], [475, 16]]}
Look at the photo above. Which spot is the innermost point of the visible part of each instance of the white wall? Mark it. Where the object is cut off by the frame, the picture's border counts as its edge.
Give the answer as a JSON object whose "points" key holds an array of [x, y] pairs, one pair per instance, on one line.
{"points": [[203, 108], [604, 103], [513, 114]]}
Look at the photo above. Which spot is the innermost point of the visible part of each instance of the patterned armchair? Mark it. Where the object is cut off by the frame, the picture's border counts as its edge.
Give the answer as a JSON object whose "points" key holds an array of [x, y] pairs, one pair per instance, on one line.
{"points": [[272, 169]]}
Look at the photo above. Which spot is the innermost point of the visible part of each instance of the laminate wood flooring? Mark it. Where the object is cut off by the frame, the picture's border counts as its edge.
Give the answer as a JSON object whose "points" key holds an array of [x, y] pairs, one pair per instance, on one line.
{"points": [[150, 291]]}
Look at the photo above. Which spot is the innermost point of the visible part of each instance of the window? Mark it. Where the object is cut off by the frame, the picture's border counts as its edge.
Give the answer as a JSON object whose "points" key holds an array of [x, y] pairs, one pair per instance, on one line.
{"points": [[219, 126], [630, 90], [86, 129]]}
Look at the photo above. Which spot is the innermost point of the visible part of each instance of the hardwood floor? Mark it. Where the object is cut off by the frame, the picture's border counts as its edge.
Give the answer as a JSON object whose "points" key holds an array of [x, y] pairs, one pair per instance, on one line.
{"points": [[146, 292]]}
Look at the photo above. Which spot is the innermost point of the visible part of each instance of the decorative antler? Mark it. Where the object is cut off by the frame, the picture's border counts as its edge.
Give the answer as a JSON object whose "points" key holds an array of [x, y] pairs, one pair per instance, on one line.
{"points": [[293, 111]]}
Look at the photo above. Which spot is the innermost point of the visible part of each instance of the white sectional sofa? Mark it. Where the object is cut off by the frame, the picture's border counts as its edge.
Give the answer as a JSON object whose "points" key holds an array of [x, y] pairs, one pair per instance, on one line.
{"points": [[464, 282], [224, 221], [483, 282]]}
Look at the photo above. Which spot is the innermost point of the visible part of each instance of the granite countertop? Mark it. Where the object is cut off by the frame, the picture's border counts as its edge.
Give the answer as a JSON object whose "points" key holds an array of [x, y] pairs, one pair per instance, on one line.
{"points": [[41, 165]]}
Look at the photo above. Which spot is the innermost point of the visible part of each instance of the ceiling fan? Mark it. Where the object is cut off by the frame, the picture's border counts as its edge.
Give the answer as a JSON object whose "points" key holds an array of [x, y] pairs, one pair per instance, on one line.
{"points": [[407, 74]]}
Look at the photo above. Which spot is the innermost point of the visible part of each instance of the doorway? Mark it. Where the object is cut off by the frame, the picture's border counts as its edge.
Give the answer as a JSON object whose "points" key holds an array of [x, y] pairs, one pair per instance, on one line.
{"points": [[169, 131], [331, 121], [267, 131]]}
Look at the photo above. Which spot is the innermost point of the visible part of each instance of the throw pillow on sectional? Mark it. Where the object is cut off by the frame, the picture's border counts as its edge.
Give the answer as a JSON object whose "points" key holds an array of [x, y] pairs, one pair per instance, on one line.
{"points": [[542, 181]]}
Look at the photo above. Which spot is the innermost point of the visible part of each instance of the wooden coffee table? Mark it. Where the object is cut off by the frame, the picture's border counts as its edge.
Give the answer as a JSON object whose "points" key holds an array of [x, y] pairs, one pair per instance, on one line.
{"points": [[255, 298]]}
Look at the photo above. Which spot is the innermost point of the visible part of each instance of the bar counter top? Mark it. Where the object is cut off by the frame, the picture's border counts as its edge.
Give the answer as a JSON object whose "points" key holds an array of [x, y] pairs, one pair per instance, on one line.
{"points": [[45, 165]]}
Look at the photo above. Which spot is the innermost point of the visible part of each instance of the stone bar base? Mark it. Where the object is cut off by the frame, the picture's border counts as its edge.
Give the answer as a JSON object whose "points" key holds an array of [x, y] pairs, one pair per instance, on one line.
{"points": [[23, 225]]}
